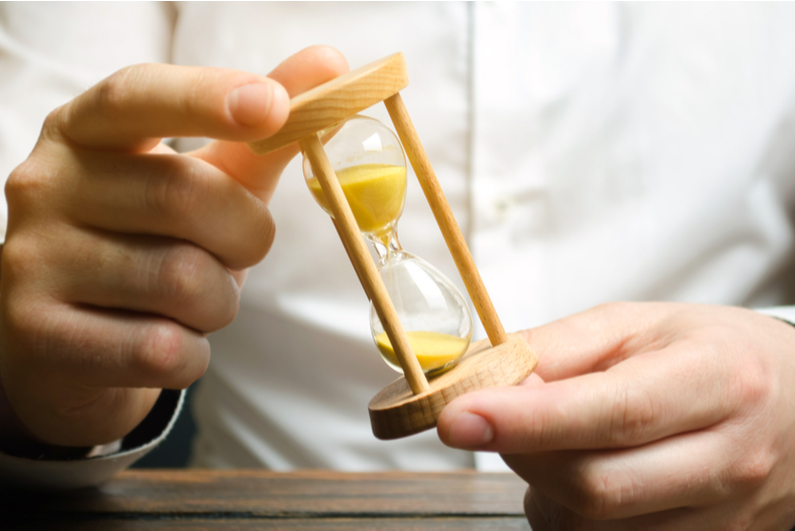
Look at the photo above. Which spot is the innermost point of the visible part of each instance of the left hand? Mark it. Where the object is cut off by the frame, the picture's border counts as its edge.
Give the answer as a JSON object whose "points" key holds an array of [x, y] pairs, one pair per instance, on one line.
{"points": [[647, 416], [122, 255]]}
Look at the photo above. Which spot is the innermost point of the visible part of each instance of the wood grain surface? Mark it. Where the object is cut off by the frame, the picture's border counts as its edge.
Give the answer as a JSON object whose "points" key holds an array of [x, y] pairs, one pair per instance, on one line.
{"points": [[396, 412], [332, 102], [495, 523], [249, 499]]}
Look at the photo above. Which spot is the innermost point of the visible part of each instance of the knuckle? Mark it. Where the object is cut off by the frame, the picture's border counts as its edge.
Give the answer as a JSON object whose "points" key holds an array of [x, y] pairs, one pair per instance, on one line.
{"points": [[264, 234], [177, 193], [194, 94], [27, 183], [539, 431], [752, 384], [254, 237], [52, 127], [112, 93], [187, 276], [599, 496], [160, 353], [202, 356], [226, 307], [633, 416], [752, 469], [180, 273]]}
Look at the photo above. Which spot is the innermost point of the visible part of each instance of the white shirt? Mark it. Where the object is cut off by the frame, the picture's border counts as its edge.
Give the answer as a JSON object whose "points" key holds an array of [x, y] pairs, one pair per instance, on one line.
{"points": [[590, 152]]}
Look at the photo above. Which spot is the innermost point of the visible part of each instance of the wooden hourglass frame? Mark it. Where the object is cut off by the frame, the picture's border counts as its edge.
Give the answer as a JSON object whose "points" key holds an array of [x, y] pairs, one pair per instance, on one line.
{"points": [[411, 403]]}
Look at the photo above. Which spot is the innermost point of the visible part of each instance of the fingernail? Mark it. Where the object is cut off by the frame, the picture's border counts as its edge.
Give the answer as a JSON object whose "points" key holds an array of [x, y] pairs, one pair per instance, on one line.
{"points": [[469, 430], [250, 104]]}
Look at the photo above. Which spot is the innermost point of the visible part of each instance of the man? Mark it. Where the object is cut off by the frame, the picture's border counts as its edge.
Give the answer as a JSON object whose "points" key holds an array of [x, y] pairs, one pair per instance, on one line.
{"points": [[592, 153]]}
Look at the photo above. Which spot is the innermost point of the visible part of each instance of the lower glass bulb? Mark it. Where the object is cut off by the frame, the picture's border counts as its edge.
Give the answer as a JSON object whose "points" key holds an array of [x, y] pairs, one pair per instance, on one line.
{"points": [[432, 311]]}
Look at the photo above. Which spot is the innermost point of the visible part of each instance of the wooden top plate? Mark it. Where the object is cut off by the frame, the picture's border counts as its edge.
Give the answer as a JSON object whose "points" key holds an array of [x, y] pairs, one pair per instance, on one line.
{"points": [[338, 99]]}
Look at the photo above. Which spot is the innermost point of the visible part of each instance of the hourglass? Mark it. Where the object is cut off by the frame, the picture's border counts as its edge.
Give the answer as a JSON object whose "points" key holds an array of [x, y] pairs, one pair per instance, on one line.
{"points": [[355, 168], [369, 163]]}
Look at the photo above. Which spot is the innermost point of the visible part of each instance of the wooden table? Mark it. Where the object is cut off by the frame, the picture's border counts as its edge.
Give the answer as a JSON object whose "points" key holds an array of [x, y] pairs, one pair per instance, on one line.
{"points": [[249, 499]]}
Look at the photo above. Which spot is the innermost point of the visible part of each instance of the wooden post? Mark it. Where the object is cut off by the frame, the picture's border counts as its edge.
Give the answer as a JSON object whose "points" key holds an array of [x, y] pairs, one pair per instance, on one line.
{"points": [[444, 217], [363, 263], [353, 262]]}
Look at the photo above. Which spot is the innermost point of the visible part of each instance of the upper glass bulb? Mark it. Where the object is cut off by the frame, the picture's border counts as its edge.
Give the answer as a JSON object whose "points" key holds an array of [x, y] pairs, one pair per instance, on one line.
{"points": [[369, 162]]}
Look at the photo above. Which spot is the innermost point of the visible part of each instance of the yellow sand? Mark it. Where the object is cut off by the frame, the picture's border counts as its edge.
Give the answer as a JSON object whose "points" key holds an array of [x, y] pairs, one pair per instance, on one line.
{"points": [[374, 192], [433, 349]]}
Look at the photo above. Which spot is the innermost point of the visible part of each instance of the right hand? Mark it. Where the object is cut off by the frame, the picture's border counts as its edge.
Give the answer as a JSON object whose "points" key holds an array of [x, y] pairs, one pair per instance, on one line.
{"points": [[121, 255]]}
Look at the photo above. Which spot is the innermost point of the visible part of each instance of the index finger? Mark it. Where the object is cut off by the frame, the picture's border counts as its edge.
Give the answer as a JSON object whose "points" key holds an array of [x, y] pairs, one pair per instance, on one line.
{"points": [[134, 108]]}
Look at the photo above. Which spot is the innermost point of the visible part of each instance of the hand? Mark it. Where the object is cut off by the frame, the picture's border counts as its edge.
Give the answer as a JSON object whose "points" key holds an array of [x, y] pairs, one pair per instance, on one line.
{"points": [[121, 254], [653, 416]]}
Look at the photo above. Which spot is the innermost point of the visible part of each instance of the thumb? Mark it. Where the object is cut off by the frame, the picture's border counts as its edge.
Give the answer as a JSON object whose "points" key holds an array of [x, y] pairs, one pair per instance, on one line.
{"points": [[306, 69]]}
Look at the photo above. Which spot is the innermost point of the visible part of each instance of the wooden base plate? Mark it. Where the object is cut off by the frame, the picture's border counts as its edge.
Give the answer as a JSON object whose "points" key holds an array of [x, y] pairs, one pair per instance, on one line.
{"points": [[395, 412]]}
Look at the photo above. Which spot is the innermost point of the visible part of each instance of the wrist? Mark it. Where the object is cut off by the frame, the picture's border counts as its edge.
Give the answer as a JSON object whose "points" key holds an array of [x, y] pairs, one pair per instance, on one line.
{"points": [[15, 439]]}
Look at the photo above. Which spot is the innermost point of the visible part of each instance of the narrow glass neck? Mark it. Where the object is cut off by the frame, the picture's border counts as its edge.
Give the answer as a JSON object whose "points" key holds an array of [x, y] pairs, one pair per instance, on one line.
{"points": [[386, 245]]}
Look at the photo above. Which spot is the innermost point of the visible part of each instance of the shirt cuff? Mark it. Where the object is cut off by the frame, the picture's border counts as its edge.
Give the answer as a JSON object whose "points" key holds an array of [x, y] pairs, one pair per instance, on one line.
{"points": [[784, 313], [102, 462]]}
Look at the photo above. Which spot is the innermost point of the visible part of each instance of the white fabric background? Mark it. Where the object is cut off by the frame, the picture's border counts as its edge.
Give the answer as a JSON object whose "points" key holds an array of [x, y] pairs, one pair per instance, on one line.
{"points": [[590, 152]]}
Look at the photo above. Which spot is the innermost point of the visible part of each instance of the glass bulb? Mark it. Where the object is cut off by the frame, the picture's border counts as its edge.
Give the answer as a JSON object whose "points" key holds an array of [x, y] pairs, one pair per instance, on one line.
{"points": [[369, 162], [432, 311]]}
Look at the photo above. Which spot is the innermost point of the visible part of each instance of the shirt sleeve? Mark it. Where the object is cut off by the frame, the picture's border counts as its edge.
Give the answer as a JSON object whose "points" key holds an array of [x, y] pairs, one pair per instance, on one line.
{"points": [[46, 472]]}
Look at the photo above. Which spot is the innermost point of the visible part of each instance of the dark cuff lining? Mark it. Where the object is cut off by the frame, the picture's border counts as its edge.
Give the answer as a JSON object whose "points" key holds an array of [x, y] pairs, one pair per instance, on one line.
{"points": [[155, 422], [148, 430]]}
